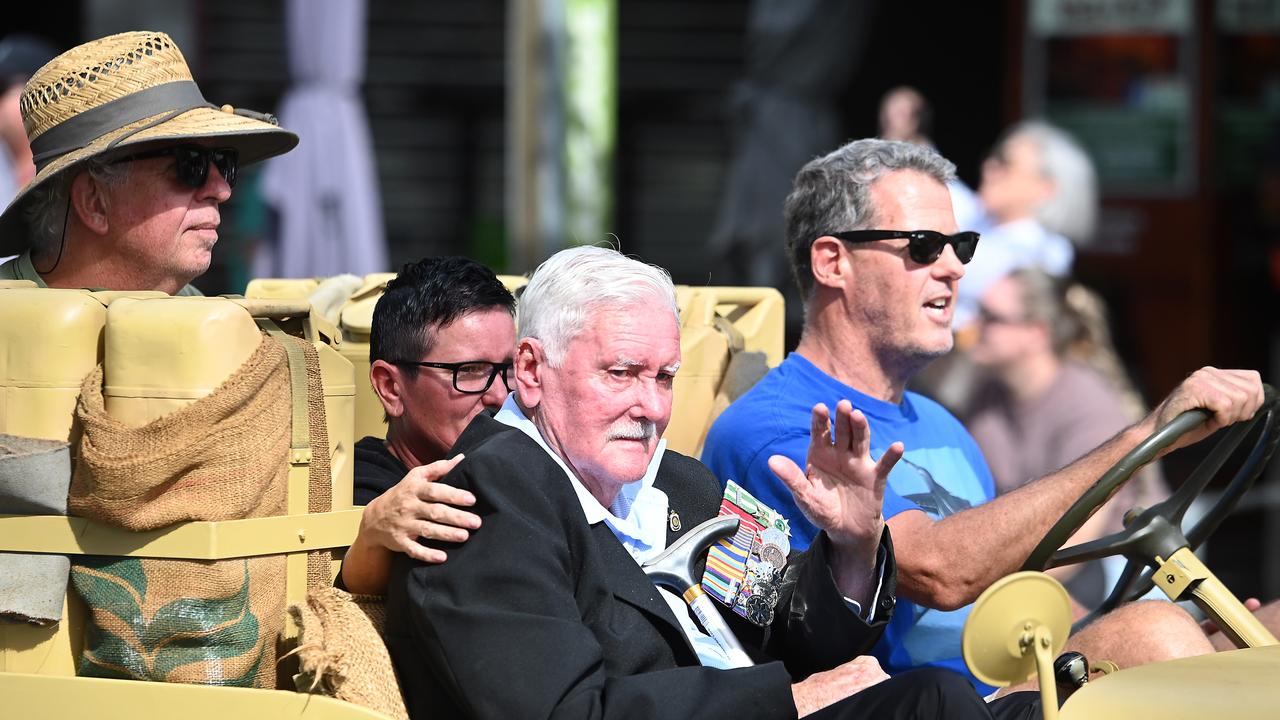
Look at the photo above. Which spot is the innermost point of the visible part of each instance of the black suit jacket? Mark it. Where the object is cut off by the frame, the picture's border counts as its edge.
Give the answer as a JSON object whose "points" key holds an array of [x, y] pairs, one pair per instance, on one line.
{"points": [[541, 615]]}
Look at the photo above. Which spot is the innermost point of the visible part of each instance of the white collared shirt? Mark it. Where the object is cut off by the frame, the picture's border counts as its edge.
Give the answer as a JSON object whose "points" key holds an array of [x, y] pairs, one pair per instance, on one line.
{"points": [[638, 518]]}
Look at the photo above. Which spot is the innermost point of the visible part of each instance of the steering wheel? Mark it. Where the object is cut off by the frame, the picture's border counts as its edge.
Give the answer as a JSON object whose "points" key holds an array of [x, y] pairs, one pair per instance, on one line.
{"points": [[1157, 530]]}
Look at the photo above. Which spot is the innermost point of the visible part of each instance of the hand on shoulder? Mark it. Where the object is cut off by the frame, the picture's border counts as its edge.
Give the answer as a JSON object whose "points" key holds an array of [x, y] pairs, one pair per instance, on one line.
{"points": [[419, 507]]}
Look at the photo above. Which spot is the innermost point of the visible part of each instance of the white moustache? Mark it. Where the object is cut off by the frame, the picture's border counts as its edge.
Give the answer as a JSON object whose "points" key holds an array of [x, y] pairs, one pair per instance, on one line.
{"points": [[639, 430]]}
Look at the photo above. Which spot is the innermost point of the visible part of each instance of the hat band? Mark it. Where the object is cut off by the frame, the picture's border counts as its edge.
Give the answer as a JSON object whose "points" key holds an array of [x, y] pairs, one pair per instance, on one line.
{"points": [[76, 132]]}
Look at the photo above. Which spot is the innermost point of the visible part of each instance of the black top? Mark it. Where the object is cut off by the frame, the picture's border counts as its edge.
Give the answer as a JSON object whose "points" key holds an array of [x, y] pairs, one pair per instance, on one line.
{"points": [[539, 614], [376, 469]]}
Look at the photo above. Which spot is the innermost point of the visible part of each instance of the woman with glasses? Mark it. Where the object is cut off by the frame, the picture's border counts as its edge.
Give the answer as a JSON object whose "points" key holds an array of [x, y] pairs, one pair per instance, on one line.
{"points": [[1056, 389], [440, 353]]}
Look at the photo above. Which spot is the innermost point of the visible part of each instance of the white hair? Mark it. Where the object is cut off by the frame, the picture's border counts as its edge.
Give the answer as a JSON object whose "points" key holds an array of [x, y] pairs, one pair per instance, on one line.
{"points": [[1072, 211], [574, 283]]}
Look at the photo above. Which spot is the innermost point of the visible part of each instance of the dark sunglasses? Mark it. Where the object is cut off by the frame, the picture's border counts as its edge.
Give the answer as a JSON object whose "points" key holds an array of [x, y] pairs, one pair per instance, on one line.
{"points": [[191, 162], [472, 377], [924, 246]]}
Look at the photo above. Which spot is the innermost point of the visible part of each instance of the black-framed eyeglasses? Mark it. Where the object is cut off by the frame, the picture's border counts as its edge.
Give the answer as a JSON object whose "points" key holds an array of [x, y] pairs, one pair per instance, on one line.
{"points": [[471, 377], [191, 162], [924, 246]]}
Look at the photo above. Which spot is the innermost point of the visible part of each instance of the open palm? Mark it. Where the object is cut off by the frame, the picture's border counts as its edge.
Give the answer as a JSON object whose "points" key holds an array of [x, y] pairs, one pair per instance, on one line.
{"points": [[842, 488]]}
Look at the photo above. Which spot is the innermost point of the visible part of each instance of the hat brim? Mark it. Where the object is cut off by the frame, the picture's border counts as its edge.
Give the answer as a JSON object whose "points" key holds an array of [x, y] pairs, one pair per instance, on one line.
{"points": [[253, 139]]}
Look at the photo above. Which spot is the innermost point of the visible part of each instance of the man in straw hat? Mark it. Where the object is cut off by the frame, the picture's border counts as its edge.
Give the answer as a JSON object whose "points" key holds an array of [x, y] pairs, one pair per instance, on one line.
{"points": [[131, 165]]}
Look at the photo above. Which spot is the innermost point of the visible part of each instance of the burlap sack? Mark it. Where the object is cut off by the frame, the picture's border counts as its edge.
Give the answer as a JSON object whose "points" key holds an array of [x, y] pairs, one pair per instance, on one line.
{"points": [[341, 650], [34, 475], [223, 457]]}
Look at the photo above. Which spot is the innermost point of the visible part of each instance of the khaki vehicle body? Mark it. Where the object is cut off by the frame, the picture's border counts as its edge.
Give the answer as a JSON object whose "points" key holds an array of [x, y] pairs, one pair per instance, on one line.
{"points": [[49, 340], [162, 353]]}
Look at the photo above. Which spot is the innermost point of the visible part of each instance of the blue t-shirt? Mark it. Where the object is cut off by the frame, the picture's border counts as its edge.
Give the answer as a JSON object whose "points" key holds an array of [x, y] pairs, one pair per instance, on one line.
{"points": [[941, 472]]}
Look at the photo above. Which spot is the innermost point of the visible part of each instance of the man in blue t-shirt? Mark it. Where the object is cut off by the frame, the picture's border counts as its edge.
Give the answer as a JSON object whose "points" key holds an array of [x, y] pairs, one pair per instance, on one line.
{"points": [[764, 423], [873, 245]]}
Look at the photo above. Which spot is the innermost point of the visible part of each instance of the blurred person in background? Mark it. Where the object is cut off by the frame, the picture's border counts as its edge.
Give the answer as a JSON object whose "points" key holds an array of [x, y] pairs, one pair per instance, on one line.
{"points": [[907, 116], [1037, 201], [21, 56], [1056, 389]]}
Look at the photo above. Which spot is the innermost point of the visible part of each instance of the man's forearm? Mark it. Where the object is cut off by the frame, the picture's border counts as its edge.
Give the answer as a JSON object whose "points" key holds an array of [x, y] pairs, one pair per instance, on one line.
{"points": [[948, 563], [366, 567]]}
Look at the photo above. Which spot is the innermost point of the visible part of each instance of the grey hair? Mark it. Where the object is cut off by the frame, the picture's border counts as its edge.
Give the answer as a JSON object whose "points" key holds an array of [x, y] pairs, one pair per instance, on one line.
{"points": [[47, 206], [833, 193], [1072, 210], [572, 284]]}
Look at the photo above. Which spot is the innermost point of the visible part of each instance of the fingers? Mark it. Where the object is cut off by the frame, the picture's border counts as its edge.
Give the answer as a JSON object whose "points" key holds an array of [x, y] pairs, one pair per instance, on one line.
{"points": [[421, 552], [419, 507], [1229, 395], [441, 493], [852, 430], [820, 425], [790, 474], [446, 515], [436, 470], [885, 464], [429, 530], [1232, 395]]}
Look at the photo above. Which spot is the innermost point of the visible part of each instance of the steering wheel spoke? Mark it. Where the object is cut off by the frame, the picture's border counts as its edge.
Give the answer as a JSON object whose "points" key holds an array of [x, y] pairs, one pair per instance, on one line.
{"points": [[1239, 484], [1114, 544], [1175, 507], [1118, 594]]}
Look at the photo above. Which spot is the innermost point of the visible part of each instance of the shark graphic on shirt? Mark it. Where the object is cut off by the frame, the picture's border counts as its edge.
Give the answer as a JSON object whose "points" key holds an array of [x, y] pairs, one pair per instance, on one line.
{"points": [[935, 500]]}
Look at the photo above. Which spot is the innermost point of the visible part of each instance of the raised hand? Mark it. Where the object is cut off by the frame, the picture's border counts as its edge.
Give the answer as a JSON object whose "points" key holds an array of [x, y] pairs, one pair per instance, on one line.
{"points": [[841, 488]]}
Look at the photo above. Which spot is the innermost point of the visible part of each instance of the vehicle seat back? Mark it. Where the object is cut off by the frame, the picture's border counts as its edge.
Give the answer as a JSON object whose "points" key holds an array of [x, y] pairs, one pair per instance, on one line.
{"points": [[720, 326]]}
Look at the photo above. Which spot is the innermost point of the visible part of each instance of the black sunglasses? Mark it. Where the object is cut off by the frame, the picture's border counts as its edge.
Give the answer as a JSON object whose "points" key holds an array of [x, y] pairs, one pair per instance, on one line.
{"points": [[472, 377], [191, 162], [924, 246]]}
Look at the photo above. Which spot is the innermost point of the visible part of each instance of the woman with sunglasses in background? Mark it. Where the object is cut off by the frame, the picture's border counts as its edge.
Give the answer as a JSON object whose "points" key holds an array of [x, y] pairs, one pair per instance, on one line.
{"points": [[1055, 389]]}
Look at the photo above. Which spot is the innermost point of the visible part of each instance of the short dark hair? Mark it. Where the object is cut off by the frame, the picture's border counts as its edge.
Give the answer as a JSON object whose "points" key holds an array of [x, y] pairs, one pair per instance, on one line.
{"points": [[429, 295]]}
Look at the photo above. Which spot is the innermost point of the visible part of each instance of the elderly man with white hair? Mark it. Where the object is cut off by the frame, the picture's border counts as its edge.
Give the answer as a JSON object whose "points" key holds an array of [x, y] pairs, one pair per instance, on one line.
{"points": [[545, 611]]}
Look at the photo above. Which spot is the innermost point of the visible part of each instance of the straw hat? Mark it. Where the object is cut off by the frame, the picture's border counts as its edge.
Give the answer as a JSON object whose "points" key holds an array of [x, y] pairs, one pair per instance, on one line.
{"points": [[122, 91]]}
